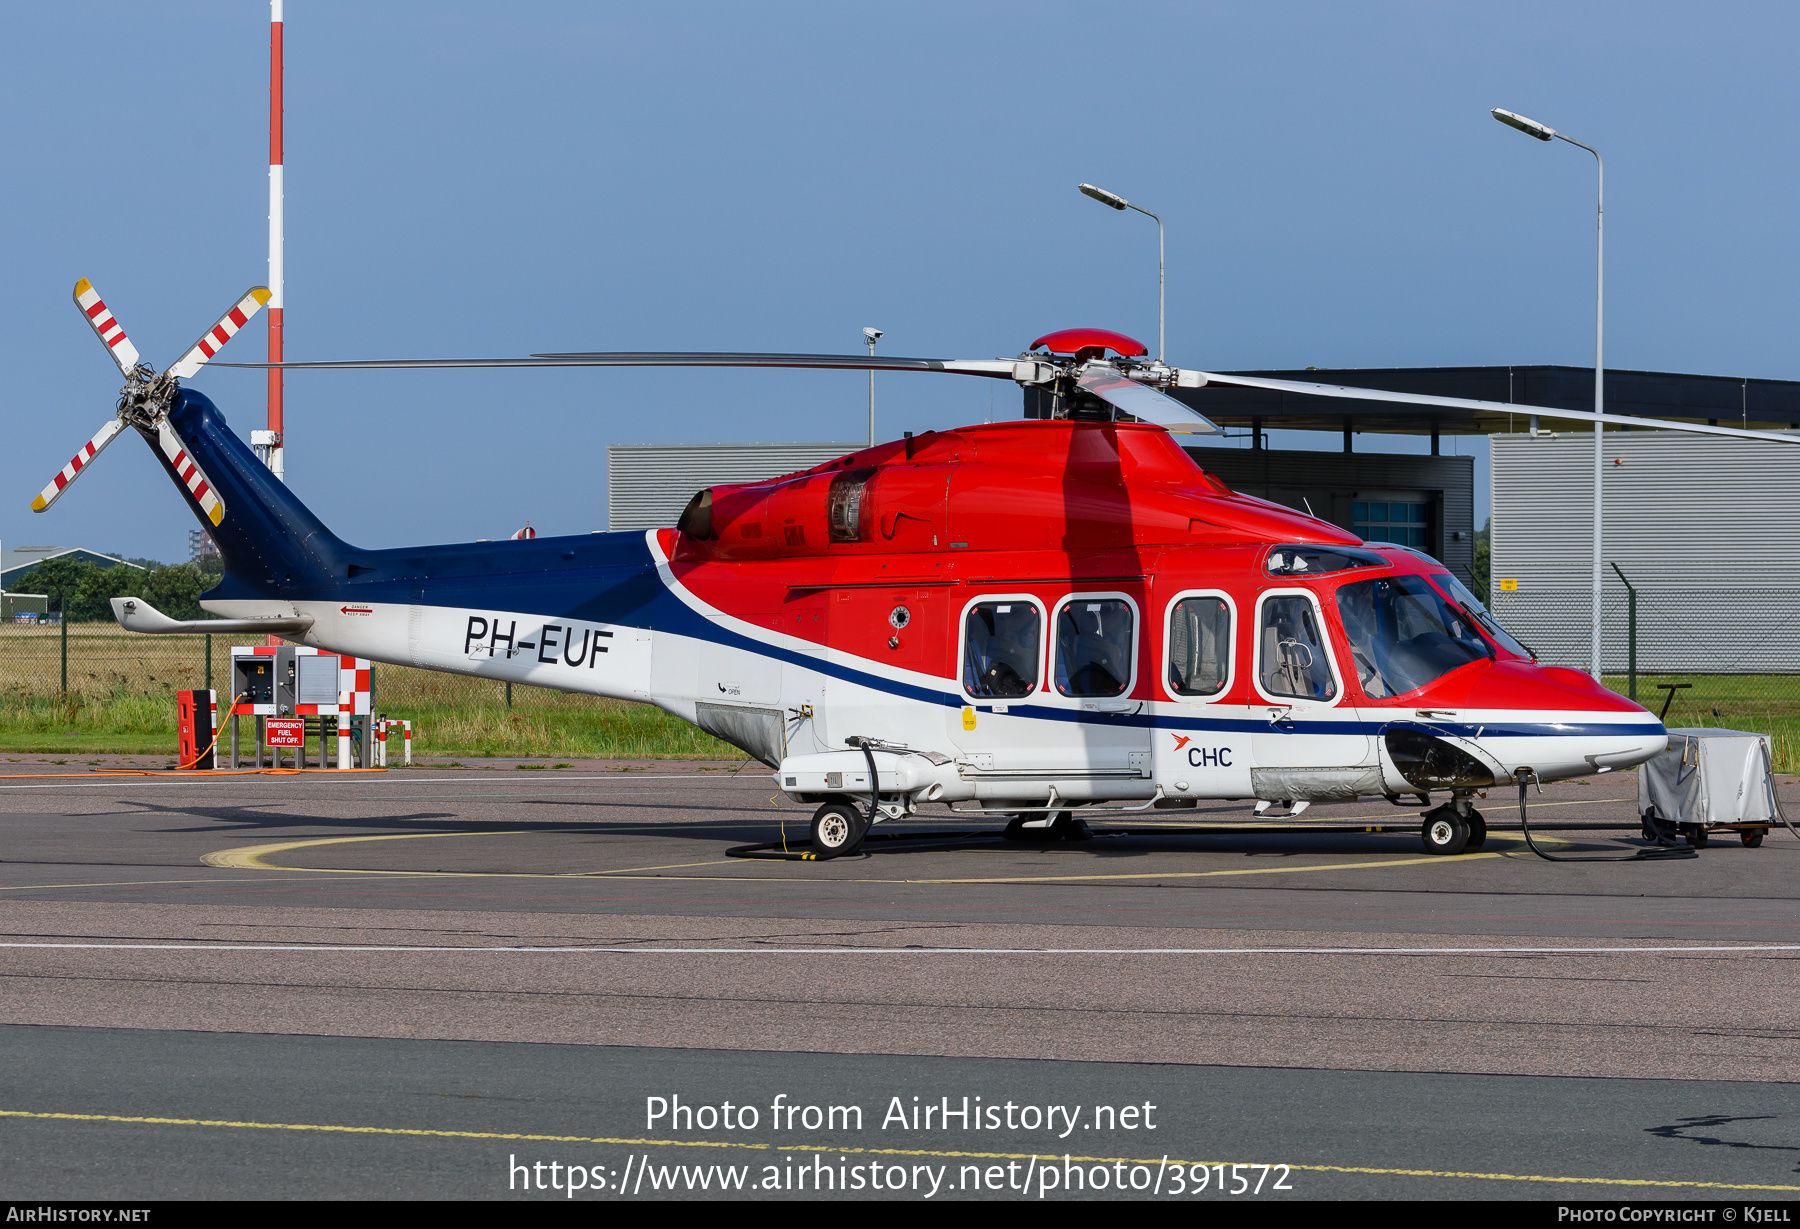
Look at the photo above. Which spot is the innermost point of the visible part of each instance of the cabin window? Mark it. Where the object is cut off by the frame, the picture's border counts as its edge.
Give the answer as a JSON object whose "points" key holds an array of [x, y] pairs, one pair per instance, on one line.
{"points": [[844, 505], [1294, 661], [1093, 647], [1403, 634], [1199, 646], [1000, 649]]}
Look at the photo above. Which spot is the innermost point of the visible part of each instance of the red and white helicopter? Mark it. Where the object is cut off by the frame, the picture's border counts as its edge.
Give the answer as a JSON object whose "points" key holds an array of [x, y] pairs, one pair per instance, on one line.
{"points": [[1016, 619]]}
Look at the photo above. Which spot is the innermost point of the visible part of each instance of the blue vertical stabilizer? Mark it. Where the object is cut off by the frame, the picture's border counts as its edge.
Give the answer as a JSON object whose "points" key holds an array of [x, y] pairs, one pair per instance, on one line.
{"points": [[271, 543]]}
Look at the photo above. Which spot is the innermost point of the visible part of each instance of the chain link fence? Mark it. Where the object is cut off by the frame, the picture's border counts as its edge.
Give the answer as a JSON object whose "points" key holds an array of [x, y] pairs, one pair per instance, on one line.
{"points": [[1708, 657]]}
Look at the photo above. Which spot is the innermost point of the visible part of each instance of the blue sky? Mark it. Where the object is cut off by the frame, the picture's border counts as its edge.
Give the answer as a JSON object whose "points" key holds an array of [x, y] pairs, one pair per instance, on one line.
{"points": [[481, 179]]}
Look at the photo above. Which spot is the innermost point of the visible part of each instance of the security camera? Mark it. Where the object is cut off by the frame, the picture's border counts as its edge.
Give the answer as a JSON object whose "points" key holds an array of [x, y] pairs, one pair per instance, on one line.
{"points": [[872, 334]]}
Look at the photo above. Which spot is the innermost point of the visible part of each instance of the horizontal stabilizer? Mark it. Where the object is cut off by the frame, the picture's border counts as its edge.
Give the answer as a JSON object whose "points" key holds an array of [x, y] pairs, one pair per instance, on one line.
{"points": [[136, 615]]}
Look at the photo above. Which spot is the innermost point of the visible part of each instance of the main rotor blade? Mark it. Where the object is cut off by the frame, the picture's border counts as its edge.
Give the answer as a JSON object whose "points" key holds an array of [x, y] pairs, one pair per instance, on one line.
{"points": [[1498, 407], [1143, 402], [107, 329], [79, 461], [998, 368], [188, 470], [222, 331]]}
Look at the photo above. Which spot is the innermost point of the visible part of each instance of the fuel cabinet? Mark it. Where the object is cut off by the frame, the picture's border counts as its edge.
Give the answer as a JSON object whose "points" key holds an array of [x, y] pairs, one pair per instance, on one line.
{"points": [[320, 693]]}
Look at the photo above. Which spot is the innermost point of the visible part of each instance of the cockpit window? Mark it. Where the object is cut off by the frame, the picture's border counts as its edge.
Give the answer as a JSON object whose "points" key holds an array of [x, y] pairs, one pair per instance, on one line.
{"points": [[1403, 634], [1320, 560], [1000, 650], [1293, 654], [1093, 647], [1460, 595]]}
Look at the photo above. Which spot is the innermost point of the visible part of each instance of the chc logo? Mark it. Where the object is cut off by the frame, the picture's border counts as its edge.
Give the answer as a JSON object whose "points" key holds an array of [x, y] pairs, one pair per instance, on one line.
{"points": [[1203, 757]]}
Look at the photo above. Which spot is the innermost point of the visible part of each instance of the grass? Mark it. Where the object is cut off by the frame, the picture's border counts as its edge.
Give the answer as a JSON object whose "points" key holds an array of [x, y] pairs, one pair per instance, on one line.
{"points": [[121, 701], [1761, 703]]}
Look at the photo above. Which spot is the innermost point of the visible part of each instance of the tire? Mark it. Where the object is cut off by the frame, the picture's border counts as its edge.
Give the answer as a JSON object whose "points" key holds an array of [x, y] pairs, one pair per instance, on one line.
{"points": [[1445, 832], [837, 829], [1696, 837], [1477, 832], [1752, 837]]}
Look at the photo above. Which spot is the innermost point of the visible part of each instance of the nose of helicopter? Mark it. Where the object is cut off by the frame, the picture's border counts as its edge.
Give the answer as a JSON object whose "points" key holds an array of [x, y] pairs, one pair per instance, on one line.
{"points": [[1483, 724], [1560, 723]]}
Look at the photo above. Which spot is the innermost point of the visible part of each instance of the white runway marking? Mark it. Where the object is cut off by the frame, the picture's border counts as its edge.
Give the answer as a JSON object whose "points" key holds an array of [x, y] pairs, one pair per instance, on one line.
{"points": [[916, 951]]}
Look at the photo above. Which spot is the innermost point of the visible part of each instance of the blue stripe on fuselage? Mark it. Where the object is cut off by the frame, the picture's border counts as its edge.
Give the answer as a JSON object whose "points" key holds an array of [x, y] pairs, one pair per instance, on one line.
{"points": [[621, 586]]}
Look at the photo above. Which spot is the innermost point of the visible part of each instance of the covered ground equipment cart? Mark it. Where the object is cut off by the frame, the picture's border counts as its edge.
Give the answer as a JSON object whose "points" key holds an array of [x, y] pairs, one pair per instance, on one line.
{"points": [[1709, 780]]}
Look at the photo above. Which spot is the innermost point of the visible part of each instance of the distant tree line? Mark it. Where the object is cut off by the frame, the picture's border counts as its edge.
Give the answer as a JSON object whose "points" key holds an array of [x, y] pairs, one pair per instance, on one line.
{"points": [[1481, 570], [83, 590]]}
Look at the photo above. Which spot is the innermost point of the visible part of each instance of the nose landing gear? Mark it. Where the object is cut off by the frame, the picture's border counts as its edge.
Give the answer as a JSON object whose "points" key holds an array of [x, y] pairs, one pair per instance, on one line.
{"points": [[1455, 827], [838, 828]]}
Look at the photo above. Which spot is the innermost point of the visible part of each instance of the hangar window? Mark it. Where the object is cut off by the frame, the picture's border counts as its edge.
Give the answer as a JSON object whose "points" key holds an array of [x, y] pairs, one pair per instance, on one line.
{"points": [[1294, 661], [1199, 646], [1403, 634], [1403, 523], [1000, 649], [1093, 646]]}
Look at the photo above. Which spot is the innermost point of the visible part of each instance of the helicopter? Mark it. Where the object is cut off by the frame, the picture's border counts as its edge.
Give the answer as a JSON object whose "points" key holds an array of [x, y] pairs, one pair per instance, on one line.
{"points": [[1025, 620]]}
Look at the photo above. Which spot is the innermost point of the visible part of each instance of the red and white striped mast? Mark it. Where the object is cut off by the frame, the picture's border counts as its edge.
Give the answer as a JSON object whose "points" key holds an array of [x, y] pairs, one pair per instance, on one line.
{"points": [[277, 301]]}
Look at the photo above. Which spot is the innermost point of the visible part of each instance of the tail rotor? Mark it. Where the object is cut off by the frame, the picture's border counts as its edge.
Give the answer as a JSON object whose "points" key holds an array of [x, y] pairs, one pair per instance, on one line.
{"points": [[145, 400]]}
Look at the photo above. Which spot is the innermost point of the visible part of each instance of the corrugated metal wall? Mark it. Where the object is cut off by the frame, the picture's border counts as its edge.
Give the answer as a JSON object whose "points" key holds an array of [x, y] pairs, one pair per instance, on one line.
{"points": [[1705, 528], [647, 485]]}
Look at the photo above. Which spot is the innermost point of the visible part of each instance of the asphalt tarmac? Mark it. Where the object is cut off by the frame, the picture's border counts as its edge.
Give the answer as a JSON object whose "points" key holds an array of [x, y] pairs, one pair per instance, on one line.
{"points": [[384, 985]]}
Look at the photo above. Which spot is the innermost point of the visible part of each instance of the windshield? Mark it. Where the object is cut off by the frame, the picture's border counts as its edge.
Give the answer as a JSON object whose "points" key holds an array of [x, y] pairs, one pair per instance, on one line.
{"points": [[1462, 597], [1403, 634]]}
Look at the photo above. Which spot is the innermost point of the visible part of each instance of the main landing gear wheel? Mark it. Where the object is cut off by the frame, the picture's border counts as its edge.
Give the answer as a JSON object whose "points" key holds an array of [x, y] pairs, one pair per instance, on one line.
{"points": [[837, 829], [1477, 832], [1446, 832]]}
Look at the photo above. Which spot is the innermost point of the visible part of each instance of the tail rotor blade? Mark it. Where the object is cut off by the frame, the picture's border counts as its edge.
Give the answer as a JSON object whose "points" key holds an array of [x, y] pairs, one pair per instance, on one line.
{"points": [[78, 462], [188, 470], [221, 332], [107, 329]]}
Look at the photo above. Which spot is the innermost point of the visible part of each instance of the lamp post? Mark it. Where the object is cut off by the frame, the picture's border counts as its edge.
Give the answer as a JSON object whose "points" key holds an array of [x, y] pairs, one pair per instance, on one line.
{"points": [[873, 336], [1120, 203], [1544, 132]]}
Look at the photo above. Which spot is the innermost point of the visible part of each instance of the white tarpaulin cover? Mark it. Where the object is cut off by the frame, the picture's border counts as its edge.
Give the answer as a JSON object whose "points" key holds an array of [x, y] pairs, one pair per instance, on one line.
{"points": [[1709, 777]]}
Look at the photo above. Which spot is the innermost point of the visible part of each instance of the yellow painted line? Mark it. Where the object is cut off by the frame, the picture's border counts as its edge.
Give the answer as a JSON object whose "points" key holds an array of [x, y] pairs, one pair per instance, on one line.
{"points": [[673, 866], [1429, 859], [418, 1132]]}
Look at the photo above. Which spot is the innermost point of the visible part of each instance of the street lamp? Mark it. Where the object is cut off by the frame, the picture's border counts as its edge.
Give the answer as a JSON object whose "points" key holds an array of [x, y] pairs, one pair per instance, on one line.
{"points": [[1544, 132], [1120, 203], [873, 335]]}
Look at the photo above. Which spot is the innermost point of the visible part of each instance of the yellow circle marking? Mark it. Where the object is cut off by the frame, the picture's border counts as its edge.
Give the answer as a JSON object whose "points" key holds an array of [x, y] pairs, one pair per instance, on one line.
{"points": [[252, 857]]}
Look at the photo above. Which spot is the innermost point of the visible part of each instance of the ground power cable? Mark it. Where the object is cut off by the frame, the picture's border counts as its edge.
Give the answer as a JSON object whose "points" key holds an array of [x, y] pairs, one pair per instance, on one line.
{"points": [[1656, 853]]}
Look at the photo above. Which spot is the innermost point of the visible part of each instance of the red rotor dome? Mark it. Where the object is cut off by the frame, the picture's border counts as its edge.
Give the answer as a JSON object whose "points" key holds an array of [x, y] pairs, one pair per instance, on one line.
{"points": [[1087, 344]]}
